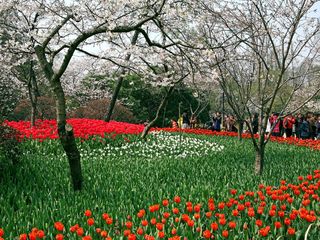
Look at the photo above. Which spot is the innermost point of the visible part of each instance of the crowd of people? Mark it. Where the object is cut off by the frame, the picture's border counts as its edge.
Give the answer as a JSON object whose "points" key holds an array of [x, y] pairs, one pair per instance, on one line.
{"points": [[305, 126]]}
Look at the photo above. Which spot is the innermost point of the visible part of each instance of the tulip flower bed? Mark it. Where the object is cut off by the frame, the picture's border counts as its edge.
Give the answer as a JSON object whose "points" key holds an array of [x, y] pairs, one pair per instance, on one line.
{"points": [[84, 128], [288, 210], [132, 192]]}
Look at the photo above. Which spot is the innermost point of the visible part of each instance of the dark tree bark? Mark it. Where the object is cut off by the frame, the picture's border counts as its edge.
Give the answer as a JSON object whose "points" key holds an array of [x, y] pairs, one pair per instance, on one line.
{"points": [[66, 137], [33, 102], [33, 111], [65, 131], [164, 115], [259, 158], [69, 145], [33, 94], [259, 161], [240, 130], [114, 97]]}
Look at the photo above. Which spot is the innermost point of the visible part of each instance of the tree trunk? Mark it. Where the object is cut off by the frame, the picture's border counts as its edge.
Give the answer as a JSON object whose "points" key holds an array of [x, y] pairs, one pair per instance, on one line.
{"points": [[162, 104], [33, 94], [67, 139], [148, 127], [34, 105], [164, 115], [33, 102], [33, 113], [120, 81], [65, 131], [69, 145], [114, 97], [240, 130], [259, 159]]}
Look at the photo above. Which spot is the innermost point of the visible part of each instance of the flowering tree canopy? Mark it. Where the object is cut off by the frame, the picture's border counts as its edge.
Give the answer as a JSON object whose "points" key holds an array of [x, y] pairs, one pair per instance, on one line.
{"points": [[273, 49], [52, 32]]}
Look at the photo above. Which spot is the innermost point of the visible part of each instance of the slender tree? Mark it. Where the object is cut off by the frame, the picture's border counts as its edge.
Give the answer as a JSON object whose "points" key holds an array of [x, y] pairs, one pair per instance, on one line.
{"points": [[119, 82], [57, 42], [273, 38]]}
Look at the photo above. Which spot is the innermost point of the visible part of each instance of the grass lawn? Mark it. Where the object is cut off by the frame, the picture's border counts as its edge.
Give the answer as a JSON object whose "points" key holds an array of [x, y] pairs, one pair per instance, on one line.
{"points": [[120, 178]]}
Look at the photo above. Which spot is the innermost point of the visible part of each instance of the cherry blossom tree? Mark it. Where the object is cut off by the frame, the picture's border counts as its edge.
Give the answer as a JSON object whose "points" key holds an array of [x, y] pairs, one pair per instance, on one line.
{"points": [[59, 29], [273, 40]]}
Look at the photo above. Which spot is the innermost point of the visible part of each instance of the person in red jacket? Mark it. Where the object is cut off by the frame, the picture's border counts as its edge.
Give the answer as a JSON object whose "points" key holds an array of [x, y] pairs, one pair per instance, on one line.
{"points": [[288, 123], [275, 121]]}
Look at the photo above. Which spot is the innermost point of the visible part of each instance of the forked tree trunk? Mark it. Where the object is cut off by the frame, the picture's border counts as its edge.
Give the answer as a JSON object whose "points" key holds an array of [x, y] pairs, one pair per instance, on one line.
{"points": [[65, 131], [66, 137], [161, 106], [119, 83]]}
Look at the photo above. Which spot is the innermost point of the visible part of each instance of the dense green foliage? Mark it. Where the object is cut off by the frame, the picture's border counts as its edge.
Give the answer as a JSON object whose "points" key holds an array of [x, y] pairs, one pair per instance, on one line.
{"points": [[38, 195], [9, 149], [143, 100]]}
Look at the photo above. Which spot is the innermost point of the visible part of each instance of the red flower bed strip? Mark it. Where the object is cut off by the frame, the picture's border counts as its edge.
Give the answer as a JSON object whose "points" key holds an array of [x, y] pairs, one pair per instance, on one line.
{"points": [[84, 128]]}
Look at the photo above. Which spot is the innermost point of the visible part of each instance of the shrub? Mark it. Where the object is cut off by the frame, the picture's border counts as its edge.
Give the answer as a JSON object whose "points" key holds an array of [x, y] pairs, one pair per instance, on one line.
{"points": [[9, 146], [45, 107], [97, 109]]}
